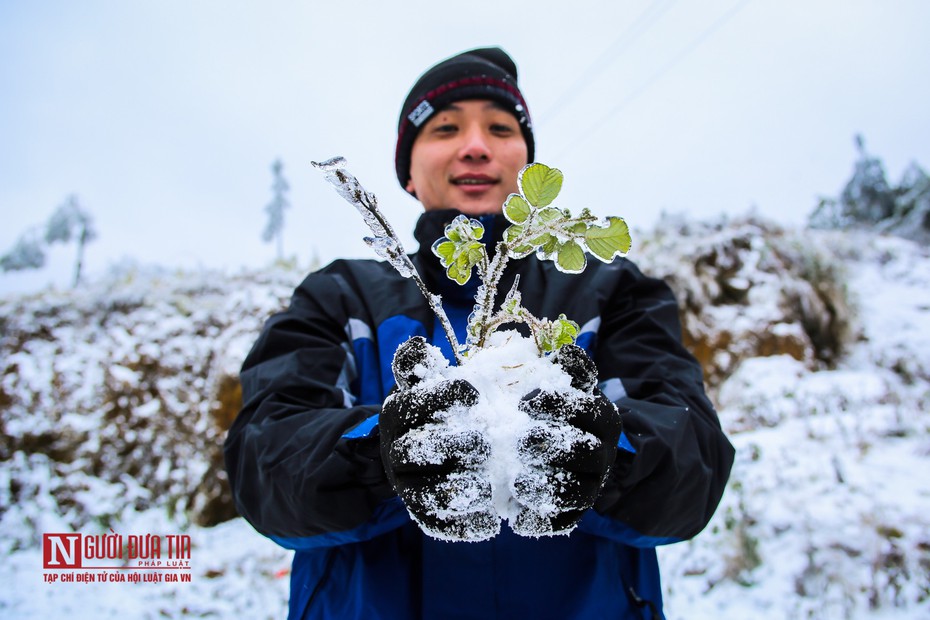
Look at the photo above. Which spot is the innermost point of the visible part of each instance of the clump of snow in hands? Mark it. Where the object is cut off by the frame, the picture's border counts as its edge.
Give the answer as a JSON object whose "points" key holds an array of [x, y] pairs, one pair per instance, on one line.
{"points": [[503, 373]]}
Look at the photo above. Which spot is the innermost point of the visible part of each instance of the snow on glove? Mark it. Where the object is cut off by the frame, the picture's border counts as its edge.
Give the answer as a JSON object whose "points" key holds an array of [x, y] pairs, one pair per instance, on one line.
{"points": [[435, 466], [567, 451]]}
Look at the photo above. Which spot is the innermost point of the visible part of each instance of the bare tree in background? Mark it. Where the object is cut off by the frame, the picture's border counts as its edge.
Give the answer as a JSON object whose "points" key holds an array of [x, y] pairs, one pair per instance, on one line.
{"points": [[275, 209]]}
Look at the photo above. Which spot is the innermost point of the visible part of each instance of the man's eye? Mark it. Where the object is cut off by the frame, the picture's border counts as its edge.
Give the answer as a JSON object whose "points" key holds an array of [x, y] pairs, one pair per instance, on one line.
{"points": [[446, 128], [502, 129]]}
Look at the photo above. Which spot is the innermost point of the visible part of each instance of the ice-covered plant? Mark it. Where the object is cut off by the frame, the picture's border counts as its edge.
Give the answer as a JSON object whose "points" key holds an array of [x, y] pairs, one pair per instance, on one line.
{"points": [[513, 477], [536, 226]]}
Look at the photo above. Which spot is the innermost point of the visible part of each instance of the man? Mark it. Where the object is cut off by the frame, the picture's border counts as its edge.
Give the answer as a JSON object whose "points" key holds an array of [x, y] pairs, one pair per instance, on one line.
{"points": [[313, 457]]}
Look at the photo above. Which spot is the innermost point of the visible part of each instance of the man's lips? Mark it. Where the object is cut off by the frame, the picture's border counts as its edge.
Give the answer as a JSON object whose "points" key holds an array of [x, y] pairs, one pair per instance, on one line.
{"points": [[474, 182]]}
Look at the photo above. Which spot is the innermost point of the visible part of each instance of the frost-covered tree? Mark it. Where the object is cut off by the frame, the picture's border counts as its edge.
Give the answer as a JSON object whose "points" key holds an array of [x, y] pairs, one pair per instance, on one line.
{"points": [[275, 209], [869, 201], [28, 253], [868, 197], [71, 222]]}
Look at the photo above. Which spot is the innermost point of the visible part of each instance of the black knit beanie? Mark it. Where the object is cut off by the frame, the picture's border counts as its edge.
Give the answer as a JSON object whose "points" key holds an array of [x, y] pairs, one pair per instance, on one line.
{"points": [[486, 73]]}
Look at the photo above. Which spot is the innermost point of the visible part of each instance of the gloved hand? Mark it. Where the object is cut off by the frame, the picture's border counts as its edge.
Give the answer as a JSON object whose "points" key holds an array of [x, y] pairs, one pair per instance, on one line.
{"points": [[434, 467], [567, 452]]}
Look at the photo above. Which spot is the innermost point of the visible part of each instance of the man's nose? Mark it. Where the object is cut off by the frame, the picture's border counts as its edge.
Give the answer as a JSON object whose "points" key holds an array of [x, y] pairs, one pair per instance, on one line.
{"points": [[476, 145]]}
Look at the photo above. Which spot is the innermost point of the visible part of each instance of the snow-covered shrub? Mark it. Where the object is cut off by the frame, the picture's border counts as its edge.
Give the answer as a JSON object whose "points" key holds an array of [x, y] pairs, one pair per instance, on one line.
{"points": [[749, 288], [116, 397]]}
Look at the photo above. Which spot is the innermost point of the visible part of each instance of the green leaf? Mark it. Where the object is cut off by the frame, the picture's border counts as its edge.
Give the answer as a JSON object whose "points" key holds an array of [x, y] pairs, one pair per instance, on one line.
{"points": [[610, 241], [545, 244], [475, 254], [459, 271], [556, 334], [463, 229], [513, 232], [550, 215], [540, 184], [566, 331], [444, 249], [521, 251], [516, 209], [513, 251], [570, 258], [453, 235]]}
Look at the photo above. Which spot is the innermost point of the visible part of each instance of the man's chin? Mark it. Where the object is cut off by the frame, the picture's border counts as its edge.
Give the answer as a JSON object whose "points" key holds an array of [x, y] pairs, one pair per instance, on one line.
{"points": [[475, 210]]}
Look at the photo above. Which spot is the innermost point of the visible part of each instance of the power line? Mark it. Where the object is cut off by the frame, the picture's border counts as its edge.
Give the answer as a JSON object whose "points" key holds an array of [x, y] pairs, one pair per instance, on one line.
{"points": [[688, 49], [643, 22]]}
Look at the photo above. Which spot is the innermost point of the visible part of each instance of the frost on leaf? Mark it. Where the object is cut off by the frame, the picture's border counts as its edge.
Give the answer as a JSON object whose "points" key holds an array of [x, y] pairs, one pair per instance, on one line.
{"points": [[461, 250], [540, 184], [609, 241], [553, 335], [570, 258], [516, 209]]}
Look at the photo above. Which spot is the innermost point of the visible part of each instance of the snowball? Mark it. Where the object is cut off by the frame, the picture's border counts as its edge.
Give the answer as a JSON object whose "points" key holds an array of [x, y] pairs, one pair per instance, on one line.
{"points": [[503, 373]]}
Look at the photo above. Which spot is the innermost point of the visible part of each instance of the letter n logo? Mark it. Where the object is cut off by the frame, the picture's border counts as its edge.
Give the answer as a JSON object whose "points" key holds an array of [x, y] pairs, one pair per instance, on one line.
{"points": [[61, 551]]}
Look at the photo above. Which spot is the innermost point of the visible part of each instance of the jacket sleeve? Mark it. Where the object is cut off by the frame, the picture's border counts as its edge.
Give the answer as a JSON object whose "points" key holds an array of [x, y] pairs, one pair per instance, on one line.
{"points": [[293, 473], [666, 485]]}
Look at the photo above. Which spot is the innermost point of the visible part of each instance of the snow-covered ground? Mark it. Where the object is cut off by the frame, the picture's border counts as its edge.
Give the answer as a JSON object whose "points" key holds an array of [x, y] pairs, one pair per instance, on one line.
{"points": [[827, 514]]}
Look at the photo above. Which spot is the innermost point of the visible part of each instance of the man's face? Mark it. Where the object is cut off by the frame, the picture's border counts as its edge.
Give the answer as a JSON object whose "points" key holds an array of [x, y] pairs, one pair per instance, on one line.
{"points": [[467, 157]]}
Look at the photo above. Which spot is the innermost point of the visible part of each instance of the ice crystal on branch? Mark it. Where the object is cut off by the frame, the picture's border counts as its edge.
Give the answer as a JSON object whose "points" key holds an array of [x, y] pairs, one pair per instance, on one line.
{"points": [[385, 241]]}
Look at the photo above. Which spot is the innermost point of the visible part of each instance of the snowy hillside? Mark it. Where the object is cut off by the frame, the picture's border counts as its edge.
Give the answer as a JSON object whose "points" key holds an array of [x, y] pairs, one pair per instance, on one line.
{"points": [[827, 514], [114, 400]]}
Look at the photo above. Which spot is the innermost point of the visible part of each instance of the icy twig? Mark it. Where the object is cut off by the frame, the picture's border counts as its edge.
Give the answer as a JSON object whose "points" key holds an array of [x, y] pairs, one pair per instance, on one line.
{"points": [[385, 241]]}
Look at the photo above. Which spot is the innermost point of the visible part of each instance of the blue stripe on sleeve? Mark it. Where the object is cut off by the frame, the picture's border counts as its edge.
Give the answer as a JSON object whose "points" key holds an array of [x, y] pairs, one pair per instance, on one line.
{"points": [[364, 429]]}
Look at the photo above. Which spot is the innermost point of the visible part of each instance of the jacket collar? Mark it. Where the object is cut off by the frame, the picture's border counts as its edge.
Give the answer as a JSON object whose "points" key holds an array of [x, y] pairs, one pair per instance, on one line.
{"points": [[431, 226]]}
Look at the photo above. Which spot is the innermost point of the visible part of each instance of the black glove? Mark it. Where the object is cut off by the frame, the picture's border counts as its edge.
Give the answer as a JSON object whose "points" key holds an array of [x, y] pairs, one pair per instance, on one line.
{"points": [[435, 469], [567, 452]]}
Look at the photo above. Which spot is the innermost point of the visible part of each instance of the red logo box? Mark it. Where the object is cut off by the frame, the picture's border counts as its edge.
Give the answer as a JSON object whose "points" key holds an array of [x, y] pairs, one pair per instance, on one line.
{"points": [[61, 551]]}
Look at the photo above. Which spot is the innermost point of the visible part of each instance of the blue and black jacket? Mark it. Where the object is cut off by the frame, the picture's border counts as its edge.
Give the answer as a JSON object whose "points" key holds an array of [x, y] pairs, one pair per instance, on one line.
{"points": [[305, 468]]}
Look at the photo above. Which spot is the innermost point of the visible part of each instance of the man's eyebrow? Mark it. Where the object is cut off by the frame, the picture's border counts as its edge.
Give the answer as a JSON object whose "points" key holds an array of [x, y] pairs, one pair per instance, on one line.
{"points": [[496, 105]]}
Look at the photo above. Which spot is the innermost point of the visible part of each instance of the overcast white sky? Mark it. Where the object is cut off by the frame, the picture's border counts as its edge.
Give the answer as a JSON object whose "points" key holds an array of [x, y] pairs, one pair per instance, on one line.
{"points": [[164, 117]]}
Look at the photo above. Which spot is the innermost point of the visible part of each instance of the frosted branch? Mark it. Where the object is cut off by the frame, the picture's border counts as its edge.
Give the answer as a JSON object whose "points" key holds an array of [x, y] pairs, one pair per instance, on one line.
{"points": [[384, 241]]}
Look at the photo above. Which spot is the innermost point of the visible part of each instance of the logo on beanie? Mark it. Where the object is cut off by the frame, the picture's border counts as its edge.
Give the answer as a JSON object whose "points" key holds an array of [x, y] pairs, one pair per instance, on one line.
{"points": [[420, 113]]}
